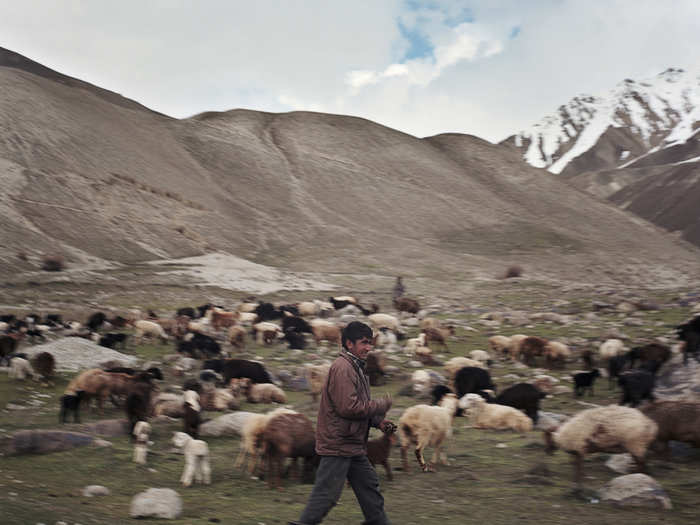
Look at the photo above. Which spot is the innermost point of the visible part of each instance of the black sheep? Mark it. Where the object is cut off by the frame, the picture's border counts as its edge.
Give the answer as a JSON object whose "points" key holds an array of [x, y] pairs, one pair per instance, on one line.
{"points": [[188, 311], [689, 332], [615, 367], [471, 379], [296, 324], [267, 312], [95, 321], [233, 368], [636, 385], [295, 340], [583, 381], [523, 396], [113, 339], [438, 392]]}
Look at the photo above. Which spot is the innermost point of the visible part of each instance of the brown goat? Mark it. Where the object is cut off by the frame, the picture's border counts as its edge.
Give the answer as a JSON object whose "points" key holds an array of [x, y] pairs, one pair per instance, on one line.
{"points": [[677, 421], [439, 335], [45, 365], [288, 436], [532, 347], [406, 304], [378, 449], [100, 384], [220, 319]]}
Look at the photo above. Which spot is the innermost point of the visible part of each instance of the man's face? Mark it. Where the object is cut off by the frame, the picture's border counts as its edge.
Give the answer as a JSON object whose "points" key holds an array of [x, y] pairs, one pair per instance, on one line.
{"points": [[360, 348]]}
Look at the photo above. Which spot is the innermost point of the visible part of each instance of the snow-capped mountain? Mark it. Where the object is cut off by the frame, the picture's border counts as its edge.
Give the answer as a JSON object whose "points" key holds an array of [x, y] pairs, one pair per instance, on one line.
{"points": [[635, 119]]}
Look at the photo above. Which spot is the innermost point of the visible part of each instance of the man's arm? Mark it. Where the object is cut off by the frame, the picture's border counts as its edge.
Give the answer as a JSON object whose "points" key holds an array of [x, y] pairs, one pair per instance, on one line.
{"points": [[342, 389]]}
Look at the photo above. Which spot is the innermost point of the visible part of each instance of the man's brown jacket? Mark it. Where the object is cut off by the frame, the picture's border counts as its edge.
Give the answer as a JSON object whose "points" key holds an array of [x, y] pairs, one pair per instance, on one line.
{"points": [[346, 410]]}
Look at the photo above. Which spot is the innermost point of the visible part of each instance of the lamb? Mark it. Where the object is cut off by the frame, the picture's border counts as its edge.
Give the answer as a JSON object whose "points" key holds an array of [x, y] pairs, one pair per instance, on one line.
{"points": [[499, 344], [192, 413], [138, 400], [677, 421], [604, 429], [288, 436], [423, 425], [71, 403], [20, 369], [316, 375], [495, 416], [378, 449], [251, 438], [196, 459], [149, 329], [325, 331], [611, 348], [141, 433], [584, 381]]}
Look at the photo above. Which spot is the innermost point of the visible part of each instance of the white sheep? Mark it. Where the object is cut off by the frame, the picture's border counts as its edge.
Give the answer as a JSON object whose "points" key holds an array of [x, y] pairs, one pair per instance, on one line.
{"points": [[499, 345], [196, 459], [604, 429], [514, 346], [251, 438], [20, 369], [556, 352], [454, 365], [169, 404], [413, 343], [378, 321], [266, 332], [141, 432], [384, 338], [421, 382], [266, 393], [217, 399], [247, 307], [149, 329], [481, 356], [423, 425], [491, 415], [611, 348], [308, 309], [316, 375]]}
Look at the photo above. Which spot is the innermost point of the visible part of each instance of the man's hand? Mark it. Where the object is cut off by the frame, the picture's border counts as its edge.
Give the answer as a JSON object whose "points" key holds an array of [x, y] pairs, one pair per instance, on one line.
{"points": [[387, 427]]}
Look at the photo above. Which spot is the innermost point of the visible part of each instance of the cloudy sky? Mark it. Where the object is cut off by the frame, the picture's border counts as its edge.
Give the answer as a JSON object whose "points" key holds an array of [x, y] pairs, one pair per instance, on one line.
{"points": [[484, 67]]}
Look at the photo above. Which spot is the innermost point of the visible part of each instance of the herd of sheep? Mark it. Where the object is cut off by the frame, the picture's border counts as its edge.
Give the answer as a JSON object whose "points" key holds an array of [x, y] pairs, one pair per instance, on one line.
{"points": [[209, 334]]}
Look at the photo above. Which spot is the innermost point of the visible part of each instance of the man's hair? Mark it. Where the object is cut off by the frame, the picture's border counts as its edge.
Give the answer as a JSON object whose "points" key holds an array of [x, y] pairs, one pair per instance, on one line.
{"points": [[355, 331]]}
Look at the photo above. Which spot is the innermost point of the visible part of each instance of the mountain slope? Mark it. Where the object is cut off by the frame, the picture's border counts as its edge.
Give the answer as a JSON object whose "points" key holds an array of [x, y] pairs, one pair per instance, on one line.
{"points": [[107, 183]]}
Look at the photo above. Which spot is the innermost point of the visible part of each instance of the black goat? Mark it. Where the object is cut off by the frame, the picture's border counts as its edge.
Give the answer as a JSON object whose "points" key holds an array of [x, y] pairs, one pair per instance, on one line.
{"points": [[689, 333], [636, 385], [71, 403], [523, 396], [584, 381]]}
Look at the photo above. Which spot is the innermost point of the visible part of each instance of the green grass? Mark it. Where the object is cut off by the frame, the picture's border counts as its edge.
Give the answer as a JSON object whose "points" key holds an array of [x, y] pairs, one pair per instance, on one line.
{"points": [[483, 483]]}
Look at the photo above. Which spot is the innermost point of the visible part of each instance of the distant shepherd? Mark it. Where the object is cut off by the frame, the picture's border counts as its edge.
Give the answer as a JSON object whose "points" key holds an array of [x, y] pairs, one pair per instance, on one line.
{"points": [[399, 289]]}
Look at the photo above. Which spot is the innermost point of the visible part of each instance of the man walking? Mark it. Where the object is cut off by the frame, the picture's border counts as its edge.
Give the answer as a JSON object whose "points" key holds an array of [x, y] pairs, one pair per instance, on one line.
{"points": [[345, 414]]}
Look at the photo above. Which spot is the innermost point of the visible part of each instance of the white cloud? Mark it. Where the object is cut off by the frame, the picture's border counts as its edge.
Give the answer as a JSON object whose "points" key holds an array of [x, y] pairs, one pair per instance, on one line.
{"points": [[470, 76]]}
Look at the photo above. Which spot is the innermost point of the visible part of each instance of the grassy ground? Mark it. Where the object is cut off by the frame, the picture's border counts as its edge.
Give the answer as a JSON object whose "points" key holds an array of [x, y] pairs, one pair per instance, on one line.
{"points": [[494, 476]]}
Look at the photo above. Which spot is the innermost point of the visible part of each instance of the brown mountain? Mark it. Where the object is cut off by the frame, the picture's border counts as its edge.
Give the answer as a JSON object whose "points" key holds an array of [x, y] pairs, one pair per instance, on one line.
{"points": [[98, 178]]}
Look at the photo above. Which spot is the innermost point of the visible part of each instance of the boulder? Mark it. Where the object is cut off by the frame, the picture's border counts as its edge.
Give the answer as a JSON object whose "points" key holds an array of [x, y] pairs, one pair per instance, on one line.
{"points": [[635, 490], [156, 503], [43, 441]]}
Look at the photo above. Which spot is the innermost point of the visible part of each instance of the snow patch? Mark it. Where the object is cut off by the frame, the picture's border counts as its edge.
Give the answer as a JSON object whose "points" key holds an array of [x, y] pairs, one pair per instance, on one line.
{"points": [[234, 273]]}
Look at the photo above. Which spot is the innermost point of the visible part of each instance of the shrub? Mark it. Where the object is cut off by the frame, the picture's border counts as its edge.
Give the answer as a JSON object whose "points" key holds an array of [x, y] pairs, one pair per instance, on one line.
{"points": [[52, 263], [513, 271]]}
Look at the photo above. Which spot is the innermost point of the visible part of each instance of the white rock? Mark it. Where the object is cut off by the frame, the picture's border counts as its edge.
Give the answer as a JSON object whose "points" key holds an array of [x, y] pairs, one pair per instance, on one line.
{"points": [[156, 503], [95, 490], [635, 490]]}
